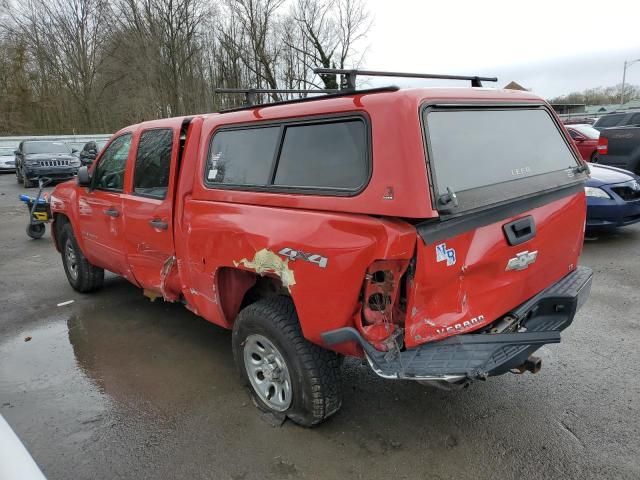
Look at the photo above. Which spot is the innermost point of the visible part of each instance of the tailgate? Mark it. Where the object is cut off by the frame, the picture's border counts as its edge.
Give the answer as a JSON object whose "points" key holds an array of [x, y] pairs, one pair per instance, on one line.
{"points": [[468, 280]]}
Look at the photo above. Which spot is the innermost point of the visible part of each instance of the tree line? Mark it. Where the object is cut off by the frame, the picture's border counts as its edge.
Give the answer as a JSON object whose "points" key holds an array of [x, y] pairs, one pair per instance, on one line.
{"points": [[600, 95], [89, 66]]}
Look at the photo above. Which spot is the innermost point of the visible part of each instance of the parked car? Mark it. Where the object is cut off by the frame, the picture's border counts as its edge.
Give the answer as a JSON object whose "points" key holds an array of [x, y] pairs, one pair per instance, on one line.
{"points": [[7, 159], [44, 158], [586, 139], [620, 147], [613, 198], [353, 224], [617, 119]]}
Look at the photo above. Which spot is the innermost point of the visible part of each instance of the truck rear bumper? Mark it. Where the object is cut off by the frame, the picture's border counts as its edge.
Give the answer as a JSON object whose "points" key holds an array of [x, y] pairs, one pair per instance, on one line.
{"points": [[478, 356]]}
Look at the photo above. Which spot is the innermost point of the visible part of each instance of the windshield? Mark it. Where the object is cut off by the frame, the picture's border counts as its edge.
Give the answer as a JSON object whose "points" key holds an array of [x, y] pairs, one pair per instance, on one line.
{"points": [[45, 147], [474, 148], [586, 130], [609, 120], [6, 151]]}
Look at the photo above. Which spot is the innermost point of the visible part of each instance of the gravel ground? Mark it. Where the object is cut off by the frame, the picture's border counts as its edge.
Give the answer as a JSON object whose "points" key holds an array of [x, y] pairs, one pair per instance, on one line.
{"points": [[114, 386]]}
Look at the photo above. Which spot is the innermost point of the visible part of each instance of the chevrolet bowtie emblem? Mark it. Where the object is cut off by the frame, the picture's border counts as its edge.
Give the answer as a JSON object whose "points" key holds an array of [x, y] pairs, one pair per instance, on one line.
{"points": [[522, 260]]}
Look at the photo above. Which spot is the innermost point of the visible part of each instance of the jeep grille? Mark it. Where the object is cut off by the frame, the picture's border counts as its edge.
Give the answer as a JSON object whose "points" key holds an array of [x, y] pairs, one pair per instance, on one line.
{"points": [[54, 163]]}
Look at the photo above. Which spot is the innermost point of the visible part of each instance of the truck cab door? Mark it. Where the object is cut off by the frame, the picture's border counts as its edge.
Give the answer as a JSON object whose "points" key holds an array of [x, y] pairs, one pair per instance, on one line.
{"points": [[148, 207], [100, 209]]}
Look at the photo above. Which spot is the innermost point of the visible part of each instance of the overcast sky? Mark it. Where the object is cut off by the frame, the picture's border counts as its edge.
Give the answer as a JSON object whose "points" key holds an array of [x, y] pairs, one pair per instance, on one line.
{"points": [[552, 47]]}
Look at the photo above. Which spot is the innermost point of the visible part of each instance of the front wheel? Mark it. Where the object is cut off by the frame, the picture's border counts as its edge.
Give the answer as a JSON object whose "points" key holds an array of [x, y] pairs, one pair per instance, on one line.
{"points": [[82, 276], [27, 183], [285, 373]]}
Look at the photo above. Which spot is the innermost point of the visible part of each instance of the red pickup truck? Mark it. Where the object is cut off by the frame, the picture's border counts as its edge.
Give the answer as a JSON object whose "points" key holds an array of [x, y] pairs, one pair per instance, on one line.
{"points": [[425, 230]]}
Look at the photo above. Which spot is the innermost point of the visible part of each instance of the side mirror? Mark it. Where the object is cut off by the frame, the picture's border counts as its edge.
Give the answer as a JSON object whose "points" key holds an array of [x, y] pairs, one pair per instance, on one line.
{"points": [[84, 179], [16, 152], [74, 150]]}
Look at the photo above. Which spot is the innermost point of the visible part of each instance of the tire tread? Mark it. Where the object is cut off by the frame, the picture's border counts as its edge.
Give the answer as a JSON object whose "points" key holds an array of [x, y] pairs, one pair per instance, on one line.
{"points": [[90, 277], [322, 367]]}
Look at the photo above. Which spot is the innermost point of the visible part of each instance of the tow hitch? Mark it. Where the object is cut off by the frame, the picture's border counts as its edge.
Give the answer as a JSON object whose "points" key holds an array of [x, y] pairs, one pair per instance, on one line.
{"points": [[533, 365]]}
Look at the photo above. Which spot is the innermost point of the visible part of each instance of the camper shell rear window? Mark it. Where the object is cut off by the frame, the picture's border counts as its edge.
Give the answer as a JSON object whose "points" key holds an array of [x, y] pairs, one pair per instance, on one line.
{"points": [[488, 155]]}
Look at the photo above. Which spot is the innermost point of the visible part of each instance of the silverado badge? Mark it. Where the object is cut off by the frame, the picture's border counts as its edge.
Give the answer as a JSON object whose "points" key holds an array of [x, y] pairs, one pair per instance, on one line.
{"points": [[522, 260]]}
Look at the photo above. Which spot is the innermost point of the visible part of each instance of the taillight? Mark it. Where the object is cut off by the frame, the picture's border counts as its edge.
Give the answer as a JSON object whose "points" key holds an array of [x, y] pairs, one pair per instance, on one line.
{"points": [[603, 145], [382, 308]]}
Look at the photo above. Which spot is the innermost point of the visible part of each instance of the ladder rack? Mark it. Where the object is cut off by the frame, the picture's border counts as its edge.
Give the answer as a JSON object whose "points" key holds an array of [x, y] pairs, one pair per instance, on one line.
{"points": [[349, 76]]}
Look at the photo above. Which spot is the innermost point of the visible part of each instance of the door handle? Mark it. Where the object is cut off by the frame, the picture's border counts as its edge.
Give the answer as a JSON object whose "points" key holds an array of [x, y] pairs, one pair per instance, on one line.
{"points": [[112, 212], [159, 224]]}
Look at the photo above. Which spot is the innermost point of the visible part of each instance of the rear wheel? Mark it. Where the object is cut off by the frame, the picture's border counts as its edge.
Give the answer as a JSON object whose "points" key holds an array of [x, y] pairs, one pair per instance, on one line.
{"points": [[82, 276], [35, 230], [285, 373]]}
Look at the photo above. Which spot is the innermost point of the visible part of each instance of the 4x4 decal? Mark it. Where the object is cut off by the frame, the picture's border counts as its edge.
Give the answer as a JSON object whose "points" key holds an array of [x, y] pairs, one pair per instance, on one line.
{"points": [[292, 254]]}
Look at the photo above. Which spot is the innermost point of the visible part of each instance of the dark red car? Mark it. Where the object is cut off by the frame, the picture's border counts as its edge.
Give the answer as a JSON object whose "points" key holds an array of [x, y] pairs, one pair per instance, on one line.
{"points": [[585, 138], [427, 231]]}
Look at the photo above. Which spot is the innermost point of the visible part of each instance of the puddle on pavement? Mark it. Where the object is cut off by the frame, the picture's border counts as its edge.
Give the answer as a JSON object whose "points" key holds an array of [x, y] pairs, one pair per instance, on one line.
{"points": [[154, 358]]}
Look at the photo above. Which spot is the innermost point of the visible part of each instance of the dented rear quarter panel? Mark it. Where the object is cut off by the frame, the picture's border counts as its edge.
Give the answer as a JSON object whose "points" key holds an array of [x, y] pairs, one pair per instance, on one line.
{"points": [[230, 235]]}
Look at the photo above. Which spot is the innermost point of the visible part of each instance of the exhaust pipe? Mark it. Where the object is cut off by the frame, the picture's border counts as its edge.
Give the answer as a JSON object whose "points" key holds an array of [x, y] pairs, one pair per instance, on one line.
{"points": [[533, 364]]}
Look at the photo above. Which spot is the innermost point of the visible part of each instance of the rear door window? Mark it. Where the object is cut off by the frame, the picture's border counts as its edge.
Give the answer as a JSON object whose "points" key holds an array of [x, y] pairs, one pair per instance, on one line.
{"points": [[573, 133], [326, 156], [485, 155], [153, 163], [242, 156]]}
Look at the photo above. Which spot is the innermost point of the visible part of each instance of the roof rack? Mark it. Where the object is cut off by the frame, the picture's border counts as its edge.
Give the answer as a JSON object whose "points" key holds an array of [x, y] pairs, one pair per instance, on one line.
{"points": [[349, 76], [332, 94], [250, 93]]}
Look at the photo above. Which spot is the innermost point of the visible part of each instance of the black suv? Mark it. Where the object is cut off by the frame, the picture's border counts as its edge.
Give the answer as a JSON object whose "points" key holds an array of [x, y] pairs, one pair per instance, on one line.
{"points": [[617, 119], [44, 158]]}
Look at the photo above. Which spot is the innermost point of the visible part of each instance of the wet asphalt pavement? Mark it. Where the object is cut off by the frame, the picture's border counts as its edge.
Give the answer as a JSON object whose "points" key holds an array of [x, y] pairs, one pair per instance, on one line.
{"points": [[114, 386]]}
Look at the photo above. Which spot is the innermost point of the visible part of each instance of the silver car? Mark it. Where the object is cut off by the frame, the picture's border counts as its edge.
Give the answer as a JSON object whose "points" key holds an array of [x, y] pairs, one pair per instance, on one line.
{"points": [[7, 159]]}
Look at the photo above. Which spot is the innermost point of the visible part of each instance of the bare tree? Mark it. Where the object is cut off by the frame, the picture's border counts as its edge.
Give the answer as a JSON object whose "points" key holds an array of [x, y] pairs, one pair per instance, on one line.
{"points": [[65, 38], [168, 36], [96, 65], [332, 30], [259, 48]]}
